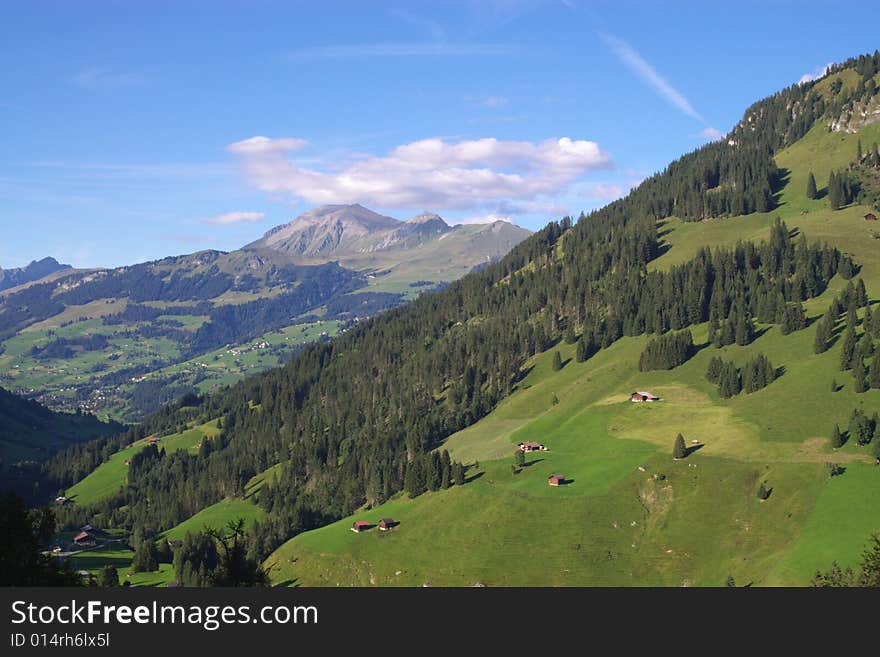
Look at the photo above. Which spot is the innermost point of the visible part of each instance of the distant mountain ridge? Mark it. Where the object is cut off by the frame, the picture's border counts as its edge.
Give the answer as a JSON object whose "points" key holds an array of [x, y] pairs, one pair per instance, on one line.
{"points": [[352, 231], [34, 271], [126, 339]]}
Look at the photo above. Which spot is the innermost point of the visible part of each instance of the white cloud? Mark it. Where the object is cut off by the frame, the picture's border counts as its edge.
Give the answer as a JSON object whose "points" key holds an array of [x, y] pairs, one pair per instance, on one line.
{"points": [[644, 70], [435, 172], [815, 75], [494, 101], [710, 133], [235, 218], [257, 145]]}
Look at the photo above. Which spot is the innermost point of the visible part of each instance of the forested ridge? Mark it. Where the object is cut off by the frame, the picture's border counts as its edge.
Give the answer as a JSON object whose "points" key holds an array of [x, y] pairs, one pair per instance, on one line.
{"points": [[352, 420]]}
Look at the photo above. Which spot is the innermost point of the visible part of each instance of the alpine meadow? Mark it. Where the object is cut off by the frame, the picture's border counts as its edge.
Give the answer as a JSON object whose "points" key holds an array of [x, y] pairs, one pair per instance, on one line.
{"points": [[680, 387]]}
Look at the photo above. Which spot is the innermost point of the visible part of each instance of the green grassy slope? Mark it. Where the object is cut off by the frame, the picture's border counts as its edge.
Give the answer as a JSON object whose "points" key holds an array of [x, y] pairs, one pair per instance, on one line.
{"points": [[216, 516], [615, 524], [111, 475]]}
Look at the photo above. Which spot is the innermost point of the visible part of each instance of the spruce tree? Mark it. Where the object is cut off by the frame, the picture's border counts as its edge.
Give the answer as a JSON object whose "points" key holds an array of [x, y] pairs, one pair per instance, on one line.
{"points": [[108, 577], [446, 474], [836, 437], [557, 361], [811, 187], [874, 372], [835, 194], [580, 352], [713, 372], [823, 336], [458, 473], [860, 376], [861, 294], [848, 350], [519, 458], [679, 450]]}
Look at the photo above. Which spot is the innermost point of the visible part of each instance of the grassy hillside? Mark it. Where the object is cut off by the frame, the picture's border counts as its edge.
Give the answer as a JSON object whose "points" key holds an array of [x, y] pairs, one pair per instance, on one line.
{"points": [[630, 514], [216, 516], [111, 475]]}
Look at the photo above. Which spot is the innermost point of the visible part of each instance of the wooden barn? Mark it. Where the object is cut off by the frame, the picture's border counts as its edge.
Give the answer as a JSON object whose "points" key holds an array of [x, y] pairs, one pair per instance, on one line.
{"points": [[643, 396], [360, 525], [387, 523], [870, 217], [85, 539], [532, 446], [556, 480]]}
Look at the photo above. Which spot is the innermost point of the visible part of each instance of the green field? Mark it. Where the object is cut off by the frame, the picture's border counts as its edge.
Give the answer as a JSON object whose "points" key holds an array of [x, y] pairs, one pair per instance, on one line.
{"points": [[120, 558], [110, 476], [217, 516], [700, 520]]}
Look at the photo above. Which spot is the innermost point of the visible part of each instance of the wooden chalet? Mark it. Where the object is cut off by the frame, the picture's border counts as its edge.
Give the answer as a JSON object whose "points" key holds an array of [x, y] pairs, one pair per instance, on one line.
{"points": [[643, 396], [531, 446], [85, 539], [360, 525], [386, 523], [556, 479], [870, 217]]}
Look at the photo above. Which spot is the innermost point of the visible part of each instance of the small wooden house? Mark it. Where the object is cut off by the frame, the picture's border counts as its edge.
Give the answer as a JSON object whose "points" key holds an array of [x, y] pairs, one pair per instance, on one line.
{"points": [[61, 500], [84, 539], [870, 217], [360, 525], [556, 480], [642, 396], [386, 523], [532, 446]]}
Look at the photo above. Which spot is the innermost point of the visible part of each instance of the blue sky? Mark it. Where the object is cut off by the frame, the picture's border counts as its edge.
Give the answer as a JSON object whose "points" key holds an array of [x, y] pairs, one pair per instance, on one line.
{"points": [[134, 130]]}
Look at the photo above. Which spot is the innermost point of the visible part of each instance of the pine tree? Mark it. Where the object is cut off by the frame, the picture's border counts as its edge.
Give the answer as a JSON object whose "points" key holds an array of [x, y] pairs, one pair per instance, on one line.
{"points": [[874, 372], [580, 354], [848, 350], [730, 582], [519, 458], [823, 337], [836, 437], [108, 577], [763, 493], [861, 294], [835, 193], [834, 386], [859, 150], [446, 474], [860, 376], [557, 361], [458, 473], [679, 451], [811, 187], [713, 372]]}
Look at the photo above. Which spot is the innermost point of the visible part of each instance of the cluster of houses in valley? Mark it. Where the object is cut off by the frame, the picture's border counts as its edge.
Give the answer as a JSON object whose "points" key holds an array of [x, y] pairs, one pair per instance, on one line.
{"points": [[86, 537]]}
